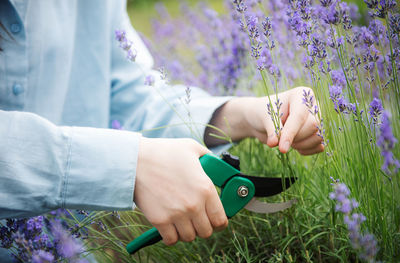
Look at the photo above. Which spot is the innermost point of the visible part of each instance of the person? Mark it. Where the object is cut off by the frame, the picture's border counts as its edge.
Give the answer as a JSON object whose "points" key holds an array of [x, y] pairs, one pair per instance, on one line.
{"points": [[63, 80]]}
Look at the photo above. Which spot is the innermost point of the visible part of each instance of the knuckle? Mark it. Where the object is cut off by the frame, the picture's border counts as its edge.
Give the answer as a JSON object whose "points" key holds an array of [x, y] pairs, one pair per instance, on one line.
{"points": [[170, 240], [161, 220], [206, 233], [191, 207], [207, 188], [188, 237], [220, 222]]}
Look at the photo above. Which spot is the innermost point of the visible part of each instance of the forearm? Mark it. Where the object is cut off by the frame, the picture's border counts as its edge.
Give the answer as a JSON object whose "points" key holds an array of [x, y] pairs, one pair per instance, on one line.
{"points": [[45, 167], [229, 121]]}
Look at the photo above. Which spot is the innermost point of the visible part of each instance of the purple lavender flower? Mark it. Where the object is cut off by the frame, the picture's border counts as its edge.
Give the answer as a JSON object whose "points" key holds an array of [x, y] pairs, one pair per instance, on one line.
{"points": [[240, 6], [386, 142], [115, 124], [364, 243], [41, 256], [380, 8], [120, 35], [394, 25], [338, 78], [267, 27], [33, 239], [126, 45], [375, 110], [332, 15], [149, 80], [308, 99], [66, 245], [131, 55], [188, 92], [252, 27], [371, 3], [335, 92], [326, 3]]}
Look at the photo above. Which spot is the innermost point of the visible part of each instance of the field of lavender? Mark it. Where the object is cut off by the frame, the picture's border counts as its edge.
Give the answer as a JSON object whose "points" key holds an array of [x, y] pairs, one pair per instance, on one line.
{"points": [[348, 207]]}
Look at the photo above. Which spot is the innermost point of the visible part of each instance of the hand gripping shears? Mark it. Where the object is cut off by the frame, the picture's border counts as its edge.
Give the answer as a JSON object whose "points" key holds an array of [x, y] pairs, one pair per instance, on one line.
{"points": [[237, 192]]}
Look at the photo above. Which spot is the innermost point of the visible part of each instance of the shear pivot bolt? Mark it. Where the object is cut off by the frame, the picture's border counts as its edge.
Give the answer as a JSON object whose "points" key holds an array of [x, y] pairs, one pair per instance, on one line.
{"points": [[243, 191]]}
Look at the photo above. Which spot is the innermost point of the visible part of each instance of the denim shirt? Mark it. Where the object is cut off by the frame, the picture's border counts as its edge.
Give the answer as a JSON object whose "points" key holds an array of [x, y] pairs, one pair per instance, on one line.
{"points": [[63, 80]]}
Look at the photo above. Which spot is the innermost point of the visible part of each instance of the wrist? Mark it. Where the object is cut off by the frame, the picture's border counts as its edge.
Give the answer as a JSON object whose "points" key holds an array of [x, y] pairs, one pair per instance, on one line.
{"points": [[231, 119]]}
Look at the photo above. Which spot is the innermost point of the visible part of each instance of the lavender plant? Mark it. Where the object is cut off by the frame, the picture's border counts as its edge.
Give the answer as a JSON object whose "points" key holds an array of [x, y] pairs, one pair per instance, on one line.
{"points": [[42, 239]]}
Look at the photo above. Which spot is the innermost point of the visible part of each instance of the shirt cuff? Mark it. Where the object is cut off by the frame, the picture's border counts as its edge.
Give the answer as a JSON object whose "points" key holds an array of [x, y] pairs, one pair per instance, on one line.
{"points": [[101, 169]]}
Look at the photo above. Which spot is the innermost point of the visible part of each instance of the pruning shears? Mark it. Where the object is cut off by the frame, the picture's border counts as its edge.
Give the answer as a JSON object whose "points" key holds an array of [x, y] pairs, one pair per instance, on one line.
{"points": [[238, 191]]}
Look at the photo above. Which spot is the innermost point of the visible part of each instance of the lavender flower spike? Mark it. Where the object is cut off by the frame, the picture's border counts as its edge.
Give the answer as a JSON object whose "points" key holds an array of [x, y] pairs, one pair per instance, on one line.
{"points": [[375, 110], [386, 142], [365, 244], [149, 80], [126, 45]]}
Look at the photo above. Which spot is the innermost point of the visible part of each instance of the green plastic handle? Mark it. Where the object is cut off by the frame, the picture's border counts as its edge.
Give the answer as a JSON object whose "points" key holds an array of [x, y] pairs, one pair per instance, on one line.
{"points": [[148, 238], [220, 173], [218, 170]]}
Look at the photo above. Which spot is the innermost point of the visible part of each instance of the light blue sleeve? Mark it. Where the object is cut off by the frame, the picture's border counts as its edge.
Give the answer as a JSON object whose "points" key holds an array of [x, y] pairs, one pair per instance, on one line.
{"points": [[159, 110], [44, 167]]}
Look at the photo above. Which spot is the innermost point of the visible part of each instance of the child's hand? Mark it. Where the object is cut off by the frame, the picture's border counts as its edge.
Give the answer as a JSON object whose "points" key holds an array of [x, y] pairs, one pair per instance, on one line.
{"points": [[248, 117], [173, 191]]}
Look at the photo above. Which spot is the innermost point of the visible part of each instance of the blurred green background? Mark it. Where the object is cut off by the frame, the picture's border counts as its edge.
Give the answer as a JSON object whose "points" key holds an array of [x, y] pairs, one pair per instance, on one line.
{"points": [[142, 12]]}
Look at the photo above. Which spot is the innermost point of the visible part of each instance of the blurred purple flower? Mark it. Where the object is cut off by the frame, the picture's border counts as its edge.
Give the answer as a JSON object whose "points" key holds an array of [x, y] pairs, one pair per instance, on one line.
{"points": [[115, 124], [66, 246], [365, 243], [386, 141], [338, 78], [149, 80], [335, 92], [41, 256], [332, 15]]}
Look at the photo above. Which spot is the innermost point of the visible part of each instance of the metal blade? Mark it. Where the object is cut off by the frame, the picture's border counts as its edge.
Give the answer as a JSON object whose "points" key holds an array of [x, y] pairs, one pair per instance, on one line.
{"points": [[269, 186], [267, 208]]}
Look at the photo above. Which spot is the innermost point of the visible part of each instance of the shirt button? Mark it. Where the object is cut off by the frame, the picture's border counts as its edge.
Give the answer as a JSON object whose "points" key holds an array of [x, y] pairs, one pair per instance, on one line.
{"points": [[17, 89], [15, 28]]}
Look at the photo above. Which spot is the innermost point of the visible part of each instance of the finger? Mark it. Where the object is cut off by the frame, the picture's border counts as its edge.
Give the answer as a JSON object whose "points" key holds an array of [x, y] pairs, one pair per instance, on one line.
{"points": [[185, 229], [308, 143], [168, 234], [318, 149], [271, 141], [215, 212], [297, 117], [272, 138], [202, 225], [309, 128]]}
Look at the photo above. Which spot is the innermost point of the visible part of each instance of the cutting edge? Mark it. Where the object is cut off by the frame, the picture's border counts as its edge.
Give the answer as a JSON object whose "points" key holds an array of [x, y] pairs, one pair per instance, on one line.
{"points": [[268, 208]]}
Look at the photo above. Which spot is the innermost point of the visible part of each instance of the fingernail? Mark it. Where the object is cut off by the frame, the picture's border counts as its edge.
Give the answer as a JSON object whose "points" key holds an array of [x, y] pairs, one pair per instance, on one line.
{"points": [[286, 146]]}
